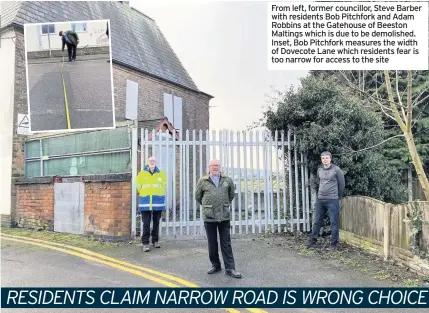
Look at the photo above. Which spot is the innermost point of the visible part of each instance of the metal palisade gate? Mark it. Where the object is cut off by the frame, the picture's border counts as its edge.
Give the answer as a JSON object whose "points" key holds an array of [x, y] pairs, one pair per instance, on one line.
{"points": [[271, 179]]}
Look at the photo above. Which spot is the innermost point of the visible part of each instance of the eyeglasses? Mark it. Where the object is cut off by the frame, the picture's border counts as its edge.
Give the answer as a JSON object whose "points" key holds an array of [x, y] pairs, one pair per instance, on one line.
{"points": [[215, 165]]}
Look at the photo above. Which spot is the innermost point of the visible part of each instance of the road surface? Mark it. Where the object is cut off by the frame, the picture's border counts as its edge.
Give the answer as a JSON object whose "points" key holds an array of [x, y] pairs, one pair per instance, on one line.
{"points": [[88, 90], [262, 264]]}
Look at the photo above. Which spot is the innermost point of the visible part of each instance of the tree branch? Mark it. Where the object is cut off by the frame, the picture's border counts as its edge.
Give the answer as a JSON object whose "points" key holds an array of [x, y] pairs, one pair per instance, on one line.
{"points": [[420, 114], [374, 146], [400, 96], [351, 85], [419, 102], [421, 94], [398, 119], [409, 101], [397, 89], [387, 114]]}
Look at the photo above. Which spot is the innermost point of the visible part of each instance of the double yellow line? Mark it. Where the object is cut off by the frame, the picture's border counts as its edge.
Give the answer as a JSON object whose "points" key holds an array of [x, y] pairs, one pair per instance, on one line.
{"points": [[65, 97], [150, 274]]}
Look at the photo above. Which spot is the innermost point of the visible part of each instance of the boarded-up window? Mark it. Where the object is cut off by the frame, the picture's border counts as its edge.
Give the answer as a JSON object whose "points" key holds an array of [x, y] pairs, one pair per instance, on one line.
{"points": [[173, 110]]}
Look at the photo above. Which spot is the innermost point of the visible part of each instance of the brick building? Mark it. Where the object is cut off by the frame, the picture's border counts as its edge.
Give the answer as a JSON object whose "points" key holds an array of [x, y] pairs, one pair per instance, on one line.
{"points": [[140, 53]]}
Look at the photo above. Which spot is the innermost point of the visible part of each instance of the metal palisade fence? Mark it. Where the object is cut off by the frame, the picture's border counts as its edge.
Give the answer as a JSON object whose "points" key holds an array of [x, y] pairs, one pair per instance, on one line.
{"points": [[271, 179]]}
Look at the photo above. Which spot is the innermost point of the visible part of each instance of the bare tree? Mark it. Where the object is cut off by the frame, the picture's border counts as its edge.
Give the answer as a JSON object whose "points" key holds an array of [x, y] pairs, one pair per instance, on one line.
{"points": [[399, 111]]}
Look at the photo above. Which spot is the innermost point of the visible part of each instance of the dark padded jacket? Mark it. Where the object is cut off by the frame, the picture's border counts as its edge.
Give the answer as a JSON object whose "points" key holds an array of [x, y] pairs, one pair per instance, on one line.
{"points": [[216, 201]]}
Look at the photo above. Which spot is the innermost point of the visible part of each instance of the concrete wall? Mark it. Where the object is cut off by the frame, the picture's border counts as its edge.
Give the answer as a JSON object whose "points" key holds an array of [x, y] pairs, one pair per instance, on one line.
{"points": [[7, 66], [94, 35], [380, 228]]}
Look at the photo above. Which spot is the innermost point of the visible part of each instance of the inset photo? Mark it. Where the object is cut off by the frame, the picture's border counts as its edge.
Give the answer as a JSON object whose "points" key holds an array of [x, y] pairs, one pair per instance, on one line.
{"points": [[69, 75]]}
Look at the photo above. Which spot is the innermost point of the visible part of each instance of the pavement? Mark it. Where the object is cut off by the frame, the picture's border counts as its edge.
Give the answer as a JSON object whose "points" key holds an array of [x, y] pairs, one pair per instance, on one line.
{"points": [[262, 262], [88, 89], [88, 57]]}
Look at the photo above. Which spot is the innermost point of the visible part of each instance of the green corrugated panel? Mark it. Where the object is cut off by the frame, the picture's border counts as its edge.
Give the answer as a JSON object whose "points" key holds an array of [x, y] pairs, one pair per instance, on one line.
{"points": [[86, 142], [32, 169], [118, 162], [89, 165], [32, 149]]}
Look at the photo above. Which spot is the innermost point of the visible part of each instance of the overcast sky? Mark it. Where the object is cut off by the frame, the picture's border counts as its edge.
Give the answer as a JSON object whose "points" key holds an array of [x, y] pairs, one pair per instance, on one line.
{"points": [[223, 46]]}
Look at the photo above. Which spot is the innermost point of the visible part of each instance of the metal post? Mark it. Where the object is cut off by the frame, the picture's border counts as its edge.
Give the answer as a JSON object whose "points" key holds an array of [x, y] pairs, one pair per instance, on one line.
{"points": [[201, 175], [298, 226], [49, 41], [246, 204], [290, 180], [284, 179], [233, 177], [134, 138], [304, 205], [259, 181], [313, 193], [277, 180]]}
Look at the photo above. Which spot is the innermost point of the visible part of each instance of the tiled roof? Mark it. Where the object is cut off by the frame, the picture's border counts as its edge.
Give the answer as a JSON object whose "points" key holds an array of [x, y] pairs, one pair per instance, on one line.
{"points": [[136, 39]]}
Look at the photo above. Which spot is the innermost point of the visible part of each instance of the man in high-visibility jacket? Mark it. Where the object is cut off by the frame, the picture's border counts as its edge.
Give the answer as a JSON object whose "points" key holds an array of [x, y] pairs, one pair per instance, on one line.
{"points": [[151, 183]]}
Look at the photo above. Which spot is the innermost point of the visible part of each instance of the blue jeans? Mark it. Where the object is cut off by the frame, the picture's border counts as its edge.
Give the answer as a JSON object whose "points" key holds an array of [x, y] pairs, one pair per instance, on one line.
{"points": [[333, 207]]}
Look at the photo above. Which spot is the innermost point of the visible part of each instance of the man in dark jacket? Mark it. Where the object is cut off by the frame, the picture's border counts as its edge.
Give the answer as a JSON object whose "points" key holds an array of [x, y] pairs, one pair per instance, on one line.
{"points": [[331, 189], [71, 39], [215, 193]]}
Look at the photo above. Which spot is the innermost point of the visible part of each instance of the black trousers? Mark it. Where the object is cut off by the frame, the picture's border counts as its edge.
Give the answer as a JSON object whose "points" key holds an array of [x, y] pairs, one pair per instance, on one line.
{"points": [[71, 49], [212, 228], [146, 217]]}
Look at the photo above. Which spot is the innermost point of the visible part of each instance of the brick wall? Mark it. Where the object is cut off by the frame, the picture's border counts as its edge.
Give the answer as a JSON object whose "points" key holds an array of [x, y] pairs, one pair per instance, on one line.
{"points": [[20, 106], [108, 209], [151, 99], [5, 221], [107, 206], [35, 206]]}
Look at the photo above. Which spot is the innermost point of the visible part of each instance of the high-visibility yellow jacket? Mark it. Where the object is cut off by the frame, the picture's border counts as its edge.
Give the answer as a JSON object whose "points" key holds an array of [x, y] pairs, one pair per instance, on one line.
{"points": [[151, 188]]}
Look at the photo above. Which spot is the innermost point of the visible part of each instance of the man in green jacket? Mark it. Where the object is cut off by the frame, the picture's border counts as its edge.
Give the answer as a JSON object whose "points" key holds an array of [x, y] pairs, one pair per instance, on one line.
{"points": [[71, 39], [215, 193]]}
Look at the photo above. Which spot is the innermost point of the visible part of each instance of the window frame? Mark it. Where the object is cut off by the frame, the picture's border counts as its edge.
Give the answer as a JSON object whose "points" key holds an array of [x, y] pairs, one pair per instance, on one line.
{"points": [[85, 27], [48, 33]]}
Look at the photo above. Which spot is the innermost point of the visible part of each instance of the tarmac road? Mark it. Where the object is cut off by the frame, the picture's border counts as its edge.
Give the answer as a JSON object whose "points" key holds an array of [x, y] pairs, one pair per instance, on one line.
{"points": [[26, 266], [262, 265], [89, 95]]}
